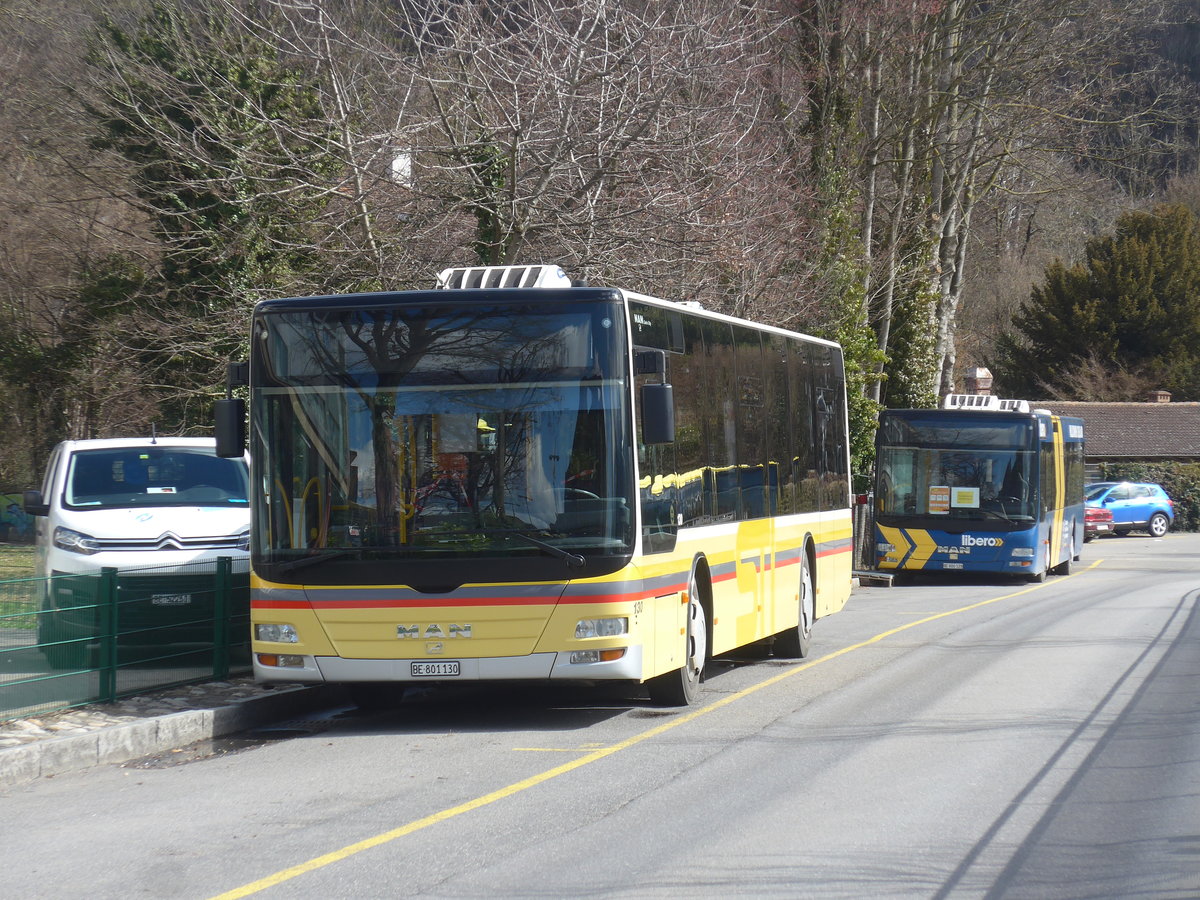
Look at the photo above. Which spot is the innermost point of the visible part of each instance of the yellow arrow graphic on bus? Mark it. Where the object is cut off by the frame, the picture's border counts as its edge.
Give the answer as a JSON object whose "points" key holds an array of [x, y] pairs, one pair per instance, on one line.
{"points": [[914, 547], [896, 538], [923, 548]]}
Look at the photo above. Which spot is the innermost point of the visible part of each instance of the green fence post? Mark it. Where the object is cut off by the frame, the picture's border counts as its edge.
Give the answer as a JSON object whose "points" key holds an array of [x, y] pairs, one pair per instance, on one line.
{"points": [[221, 607], [108, 634]]}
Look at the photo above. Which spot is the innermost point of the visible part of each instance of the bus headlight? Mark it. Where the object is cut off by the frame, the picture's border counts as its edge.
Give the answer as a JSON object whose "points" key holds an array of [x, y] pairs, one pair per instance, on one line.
{"points": [[884, 548], [1023, 552], [277, 634], [590, 628]]}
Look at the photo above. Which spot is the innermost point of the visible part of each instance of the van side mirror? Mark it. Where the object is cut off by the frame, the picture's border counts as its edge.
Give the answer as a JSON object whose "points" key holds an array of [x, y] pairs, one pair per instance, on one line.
{"points": [[230, 415], [34, 504], [658, 414]]}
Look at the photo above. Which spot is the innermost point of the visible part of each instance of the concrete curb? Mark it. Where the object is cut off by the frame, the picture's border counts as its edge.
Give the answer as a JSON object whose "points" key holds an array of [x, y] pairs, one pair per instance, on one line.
{"points": [[133, 740]]}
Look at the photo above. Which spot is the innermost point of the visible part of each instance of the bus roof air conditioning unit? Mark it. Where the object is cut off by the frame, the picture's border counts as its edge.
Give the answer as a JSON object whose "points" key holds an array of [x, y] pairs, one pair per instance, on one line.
{"points": [[971, 401], [1015, 406], [503, 277]]}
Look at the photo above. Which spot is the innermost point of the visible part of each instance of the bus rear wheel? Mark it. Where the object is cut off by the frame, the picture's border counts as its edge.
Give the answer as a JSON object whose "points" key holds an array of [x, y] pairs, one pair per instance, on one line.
{"points": [[793, 643], [680, 686]]}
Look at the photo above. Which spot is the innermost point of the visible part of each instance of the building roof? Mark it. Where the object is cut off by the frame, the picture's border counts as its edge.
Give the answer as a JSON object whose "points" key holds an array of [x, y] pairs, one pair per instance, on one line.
{"points": [[1134, 430]]}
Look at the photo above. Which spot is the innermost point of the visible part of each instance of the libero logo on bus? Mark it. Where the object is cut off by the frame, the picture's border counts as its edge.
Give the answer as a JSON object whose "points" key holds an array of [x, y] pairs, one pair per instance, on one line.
{"points": [[970, 540]]}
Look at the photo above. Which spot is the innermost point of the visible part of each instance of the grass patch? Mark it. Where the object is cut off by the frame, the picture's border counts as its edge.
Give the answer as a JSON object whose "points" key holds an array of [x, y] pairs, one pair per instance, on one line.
{"points": [[16, 561], [19, 590]]}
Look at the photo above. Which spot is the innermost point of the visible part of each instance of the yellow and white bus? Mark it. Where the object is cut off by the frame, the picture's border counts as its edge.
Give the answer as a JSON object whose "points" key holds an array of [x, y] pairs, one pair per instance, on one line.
{"points": [[510, 477]]}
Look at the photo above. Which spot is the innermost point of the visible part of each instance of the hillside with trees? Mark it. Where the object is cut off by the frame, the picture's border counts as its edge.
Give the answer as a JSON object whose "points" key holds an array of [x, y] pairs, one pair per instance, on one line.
{"points": [[898, 176], [1123, 321]]}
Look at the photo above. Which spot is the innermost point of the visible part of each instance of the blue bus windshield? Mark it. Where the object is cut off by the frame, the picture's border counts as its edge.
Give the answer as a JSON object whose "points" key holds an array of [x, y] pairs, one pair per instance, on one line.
{"points": [[968, 468]]}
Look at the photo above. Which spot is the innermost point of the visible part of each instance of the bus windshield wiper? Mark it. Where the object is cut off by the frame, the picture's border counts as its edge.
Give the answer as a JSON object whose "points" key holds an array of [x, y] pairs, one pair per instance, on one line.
{"points": [[306, 561], [573, 560]]}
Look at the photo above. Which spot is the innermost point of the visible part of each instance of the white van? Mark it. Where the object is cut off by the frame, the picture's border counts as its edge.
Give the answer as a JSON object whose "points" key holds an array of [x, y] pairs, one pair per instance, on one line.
{"points": [[136, 503]]}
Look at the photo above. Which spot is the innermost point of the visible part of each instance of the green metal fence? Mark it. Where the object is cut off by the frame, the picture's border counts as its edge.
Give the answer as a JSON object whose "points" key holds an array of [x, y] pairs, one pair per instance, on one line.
{"points": [[71, 640]]}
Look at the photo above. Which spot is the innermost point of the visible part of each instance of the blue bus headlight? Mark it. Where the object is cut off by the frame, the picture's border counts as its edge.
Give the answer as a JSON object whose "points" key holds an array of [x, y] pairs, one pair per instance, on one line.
{"points": [[1023, 552]]}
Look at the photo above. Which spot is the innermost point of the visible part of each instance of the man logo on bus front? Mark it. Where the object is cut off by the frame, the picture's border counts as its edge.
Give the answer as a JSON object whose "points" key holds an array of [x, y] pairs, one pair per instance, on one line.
{"points": [[433, 632]]}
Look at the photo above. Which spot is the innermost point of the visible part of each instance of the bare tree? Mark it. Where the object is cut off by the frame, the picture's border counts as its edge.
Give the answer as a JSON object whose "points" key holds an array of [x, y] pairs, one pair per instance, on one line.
{"points": [[939, 101], [1098, 380]]}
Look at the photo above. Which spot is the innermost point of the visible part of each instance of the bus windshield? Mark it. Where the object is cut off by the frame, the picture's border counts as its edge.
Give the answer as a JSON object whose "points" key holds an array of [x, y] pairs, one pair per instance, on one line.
{"points": [[958, 470], [442, 433]]}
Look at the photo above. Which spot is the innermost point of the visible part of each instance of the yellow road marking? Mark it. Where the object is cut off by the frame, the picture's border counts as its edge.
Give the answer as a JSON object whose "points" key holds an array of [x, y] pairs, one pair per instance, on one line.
{"points": [[594, 755]]}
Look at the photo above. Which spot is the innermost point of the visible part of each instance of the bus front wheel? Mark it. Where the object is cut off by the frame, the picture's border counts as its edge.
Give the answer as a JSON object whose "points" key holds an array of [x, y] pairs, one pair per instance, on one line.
{"points": [[793, 643], [680, 686], [1041, 576]]}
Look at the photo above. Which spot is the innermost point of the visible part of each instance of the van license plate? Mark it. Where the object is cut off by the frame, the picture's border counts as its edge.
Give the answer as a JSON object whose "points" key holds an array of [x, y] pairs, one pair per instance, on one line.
{"points": [[170, 599], [436, 669]]}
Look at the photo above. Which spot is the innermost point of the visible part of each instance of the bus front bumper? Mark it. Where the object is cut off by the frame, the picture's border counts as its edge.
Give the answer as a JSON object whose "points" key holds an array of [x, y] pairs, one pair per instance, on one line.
{"points": [[536, 666]]}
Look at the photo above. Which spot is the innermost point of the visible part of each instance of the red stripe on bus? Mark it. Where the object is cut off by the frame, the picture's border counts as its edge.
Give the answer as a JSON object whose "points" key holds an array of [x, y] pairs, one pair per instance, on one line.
{"points": [[475, 601], [835, 550]]}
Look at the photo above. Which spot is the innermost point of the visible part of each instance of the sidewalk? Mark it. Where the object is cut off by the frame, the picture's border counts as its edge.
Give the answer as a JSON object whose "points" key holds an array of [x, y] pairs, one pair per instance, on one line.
{"points": [[112, 733]]}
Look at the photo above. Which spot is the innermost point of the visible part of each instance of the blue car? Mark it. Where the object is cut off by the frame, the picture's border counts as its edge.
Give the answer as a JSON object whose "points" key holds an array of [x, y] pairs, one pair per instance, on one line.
{"points": [[1134, 506]]}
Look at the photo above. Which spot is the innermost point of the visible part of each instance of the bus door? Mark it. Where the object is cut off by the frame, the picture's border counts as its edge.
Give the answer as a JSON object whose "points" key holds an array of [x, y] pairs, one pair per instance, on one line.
{"points": [[754, 547]]}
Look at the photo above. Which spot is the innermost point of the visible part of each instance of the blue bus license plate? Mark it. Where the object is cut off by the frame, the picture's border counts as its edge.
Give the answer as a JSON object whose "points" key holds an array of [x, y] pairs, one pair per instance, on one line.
{"points": [[436, 669]]}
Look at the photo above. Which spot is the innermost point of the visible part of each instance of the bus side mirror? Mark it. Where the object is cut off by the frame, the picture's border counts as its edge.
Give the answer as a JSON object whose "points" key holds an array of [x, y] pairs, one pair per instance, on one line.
{"points": [[658, 414], [231, 427]]}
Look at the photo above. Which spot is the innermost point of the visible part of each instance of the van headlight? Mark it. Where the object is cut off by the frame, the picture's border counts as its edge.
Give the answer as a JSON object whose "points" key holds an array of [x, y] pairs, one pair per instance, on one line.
{"points": [[75, 541], [243, 541]]}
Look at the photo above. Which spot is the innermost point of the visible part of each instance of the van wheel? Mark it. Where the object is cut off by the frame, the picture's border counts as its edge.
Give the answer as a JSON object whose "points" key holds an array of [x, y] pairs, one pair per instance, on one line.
{"points": [[65, 656]]}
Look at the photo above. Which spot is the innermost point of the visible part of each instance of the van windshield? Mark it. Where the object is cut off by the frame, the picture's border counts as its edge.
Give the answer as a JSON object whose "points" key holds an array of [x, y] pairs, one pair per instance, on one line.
{"points": [[124, 477]]}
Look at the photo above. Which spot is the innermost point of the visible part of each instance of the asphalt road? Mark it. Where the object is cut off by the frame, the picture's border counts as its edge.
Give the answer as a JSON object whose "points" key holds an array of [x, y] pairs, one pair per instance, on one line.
{"points": [[945, 739]]}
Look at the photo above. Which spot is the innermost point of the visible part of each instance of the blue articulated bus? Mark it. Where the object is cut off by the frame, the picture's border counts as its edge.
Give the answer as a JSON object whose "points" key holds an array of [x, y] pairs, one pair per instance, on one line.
{"points": [[980, 485]]}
